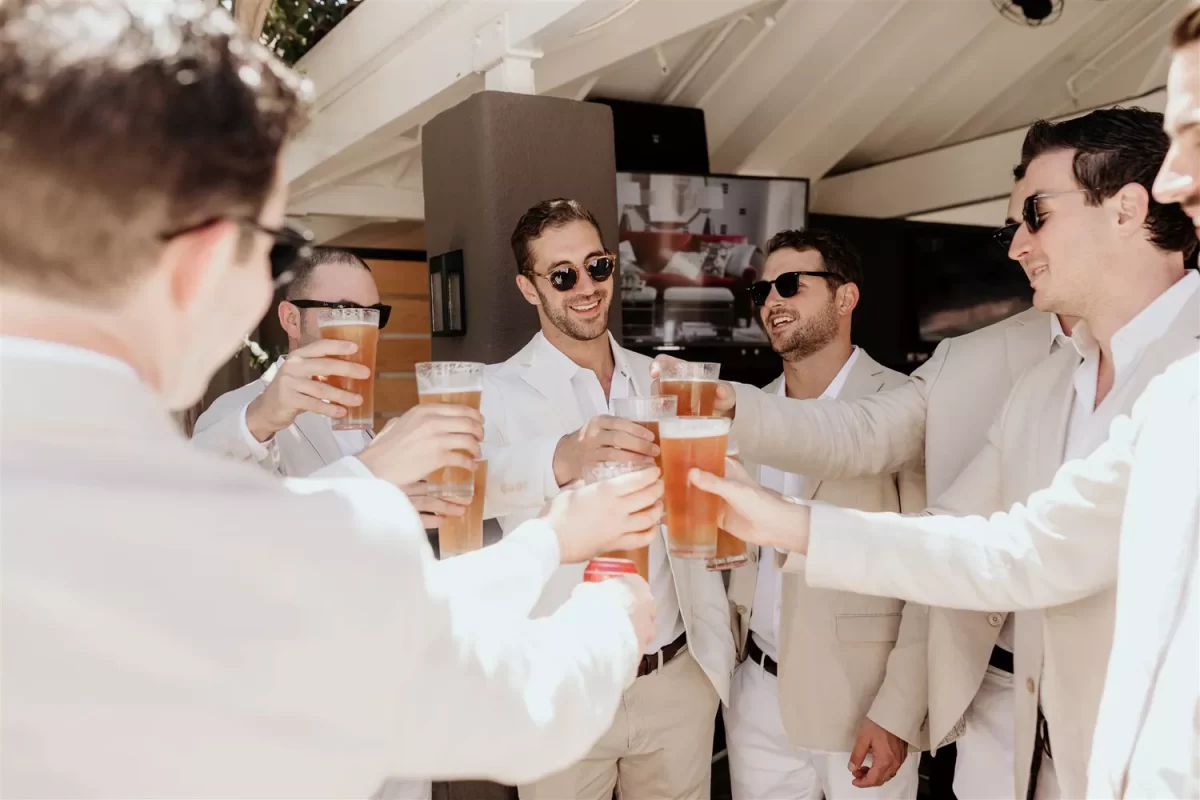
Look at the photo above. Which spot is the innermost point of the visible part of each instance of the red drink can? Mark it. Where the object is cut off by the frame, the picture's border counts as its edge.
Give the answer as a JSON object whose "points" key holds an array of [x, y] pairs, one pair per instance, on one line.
{"points": [[601, 569]]}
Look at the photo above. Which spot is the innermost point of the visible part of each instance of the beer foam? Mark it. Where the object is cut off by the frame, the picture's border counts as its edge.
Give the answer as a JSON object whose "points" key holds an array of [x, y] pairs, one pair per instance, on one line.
{"points": [[692, 427], [337, 323]]}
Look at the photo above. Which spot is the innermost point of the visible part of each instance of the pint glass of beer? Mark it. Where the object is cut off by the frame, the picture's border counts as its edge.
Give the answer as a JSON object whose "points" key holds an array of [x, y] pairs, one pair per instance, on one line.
{"points": [[456, 383], [731, 551], [361, 326], [694, 385], [646, 411], [603, 470], [692, 514], [464, 534]]}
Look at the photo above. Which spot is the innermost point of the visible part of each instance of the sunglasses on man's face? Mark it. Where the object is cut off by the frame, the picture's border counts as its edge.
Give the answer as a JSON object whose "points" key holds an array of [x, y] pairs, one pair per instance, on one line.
{"points": [[291, 243], [384, 310], [564, 279], [786, 284], [1031, 216]]}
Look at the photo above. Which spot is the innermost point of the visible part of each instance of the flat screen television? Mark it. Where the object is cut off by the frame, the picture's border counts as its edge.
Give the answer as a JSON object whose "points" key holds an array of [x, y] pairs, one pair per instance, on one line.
{"points": [[690, 246]]}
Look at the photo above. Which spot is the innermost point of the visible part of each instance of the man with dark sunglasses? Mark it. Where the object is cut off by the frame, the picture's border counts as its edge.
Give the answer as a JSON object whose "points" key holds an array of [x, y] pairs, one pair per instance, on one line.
{"points": [[793, 722], [547, 412], [1099, 246]]}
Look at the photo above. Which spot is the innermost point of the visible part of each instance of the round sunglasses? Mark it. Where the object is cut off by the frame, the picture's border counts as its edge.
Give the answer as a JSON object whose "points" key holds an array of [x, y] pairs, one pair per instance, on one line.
{"points": [[1032, 217], [786, 284], [564, 279], [384, 309]]}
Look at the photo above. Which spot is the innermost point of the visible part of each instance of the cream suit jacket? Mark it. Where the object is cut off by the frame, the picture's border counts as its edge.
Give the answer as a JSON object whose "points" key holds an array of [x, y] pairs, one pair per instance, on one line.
{"points": [[943, 413], [180, 625], [845, 656], [528, 406], [1061, 652], [297, 451], [1127, 516]]}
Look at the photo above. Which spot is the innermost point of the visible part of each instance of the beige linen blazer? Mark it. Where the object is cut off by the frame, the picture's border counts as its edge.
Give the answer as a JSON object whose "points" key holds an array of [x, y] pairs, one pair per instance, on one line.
{"points": [[942, 413], [846, 656]]}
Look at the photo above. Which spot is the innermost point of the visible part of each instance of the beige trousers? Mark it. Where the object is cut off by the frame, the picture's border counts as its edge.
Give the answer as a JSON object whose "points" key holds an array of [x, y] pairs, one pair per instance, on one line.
{"points": [[659, 746]]}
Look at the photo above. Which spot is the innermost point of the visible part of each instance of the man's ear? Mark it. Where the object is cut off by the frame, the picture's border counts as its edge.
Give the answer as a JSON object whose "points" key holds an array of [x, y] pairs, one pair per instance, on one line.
{"points": [[528, 291], [289, 319], [847, 298]]}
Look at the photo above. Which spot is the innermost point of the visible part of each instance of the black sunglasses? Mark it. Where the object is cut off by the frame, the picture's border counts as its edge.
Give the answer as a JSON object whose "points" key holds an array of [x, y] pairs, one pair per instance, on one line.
{"points": [[292, 243], [564, 278], [384, 310], [1031, 216], [786, 284]]}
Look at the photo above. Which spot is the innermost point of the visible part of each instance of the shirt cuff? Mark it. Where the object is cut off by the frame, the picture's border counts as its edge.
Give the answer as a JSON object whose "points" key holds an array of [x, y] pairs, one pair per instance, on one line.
{"points": [[258, 450]]}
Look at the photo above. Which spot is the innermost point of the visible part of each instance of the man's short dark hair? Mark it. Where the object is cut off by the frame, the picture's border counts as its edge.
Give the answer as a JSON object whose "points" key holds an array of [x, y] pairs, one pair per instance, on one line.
{"points": [[1187, 27], [1115, 147], [125, 120], [546, 214], [838, 254], [298, 287]]}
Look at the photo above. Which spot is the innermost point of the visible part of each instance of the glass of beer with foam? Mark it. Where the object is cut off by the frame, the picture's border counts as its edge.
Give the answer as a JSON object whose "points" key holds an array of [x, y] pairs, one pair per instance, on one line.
{"points": [[455, 383], [464, 534], [361, 326], [603, 470], [732, 552], [646, 411], [692, 515], [693, 385]]}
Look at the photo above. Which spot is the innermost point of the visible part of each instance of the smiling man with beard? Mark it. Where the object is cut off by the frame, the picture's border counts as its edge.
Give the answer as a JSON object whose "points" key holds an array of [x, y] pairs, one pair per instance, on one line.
{"points": [[829, 677], [548, 415]]}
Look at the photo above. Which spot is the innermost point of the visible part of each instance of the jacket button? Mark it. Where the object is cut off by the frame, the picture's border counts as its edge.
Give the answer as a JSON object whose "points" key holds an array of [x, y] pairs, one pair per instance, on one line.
{"points": [[741, 610], [995, 619], [1029, 684], [752, 555]]}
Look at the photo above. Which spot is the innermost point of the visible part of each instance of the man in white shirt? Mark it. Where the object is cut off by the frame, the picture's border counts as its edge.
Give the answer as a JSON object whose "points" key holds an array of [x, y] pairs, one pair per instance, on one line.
{"points": [[548, 415], [832, 693], [177, 625], [283, 421], [1096, 245]]}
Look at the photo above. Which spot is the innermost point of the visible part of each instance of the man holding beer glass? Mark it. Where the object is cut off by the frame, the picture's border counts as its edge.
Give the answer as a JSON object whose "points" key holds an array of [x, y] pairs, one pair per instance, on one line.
{"points": [[316, 404], [830, 678], [180, 625], [549, 412]]}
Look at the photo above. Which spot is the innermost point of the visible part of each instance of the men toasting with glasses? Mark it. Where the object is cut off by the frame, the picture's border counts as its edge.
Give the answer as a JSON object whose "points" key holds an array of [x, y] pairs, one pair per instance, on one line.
{"points": [[548, 413], [829, 678]]}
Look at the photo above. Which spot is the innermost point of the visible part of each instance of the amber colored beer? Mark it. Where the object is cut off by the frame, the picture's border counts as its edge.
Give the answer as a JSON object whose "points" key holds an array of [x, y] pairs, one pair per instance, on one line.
{"points": [[604, 470], [692, 515], [464, 534], [361, 326], [696, 398], [455, 383]]}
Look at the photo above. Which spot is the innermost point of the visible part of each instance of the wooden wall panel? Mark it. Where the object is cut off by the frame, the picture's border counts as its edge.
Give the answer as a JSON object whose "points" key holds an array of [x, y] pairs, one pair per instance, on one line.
{"points": [[399, 355], [395, 395]]}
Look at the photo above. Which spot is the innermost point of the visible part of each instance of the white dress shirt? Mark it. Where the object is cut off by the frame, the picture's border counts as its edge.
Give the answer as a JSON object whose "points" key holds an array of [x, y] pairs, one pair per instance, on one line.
{"points": [[592, 403], [768, 591], [1089, 423]]}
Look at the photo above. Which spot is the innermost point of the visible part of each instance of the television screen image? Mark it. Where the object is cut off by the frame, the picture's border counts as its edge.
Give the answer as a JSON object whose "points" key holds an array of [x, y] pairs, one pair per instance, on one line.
{"points": [[690, 246]]}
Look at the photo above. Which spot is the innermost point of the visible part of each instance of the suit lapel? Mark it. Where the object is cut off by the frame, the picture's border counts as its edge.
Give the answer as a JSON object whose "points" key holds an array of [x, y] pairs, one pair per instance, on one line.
{"points": [[1028, 342], [547, 379], [1052, 425], [315, 430]]}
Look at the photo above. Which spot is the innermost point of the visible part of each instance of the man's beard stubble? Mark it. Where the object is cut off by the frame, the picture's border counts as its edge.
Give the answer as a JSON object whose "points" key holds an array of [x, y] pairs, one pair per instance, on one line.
{"points": [[560, 317], [810, 336]]}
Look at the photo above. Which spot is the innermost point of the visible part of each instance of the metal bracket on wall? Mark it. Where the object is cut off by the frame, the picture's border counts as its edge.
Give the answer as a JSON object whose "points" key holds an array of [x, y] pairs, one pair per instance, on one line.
{"points": [[506, 67]]}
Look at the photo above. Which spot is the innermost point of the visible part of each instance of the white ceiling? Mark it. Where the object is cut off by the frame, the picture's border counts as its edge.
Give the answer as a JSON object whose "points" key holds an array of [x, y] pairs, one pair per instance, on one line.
{"points": [[810, 88]]}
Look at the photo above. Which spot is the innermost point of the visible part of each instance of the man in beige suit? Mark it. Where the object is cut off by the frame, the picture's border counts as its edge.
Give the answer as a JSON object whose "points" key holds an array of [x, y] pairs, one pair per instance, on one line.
{"points": [[178, 625], [942, 415], [1095, 244], [548, 415], [831, 678]]}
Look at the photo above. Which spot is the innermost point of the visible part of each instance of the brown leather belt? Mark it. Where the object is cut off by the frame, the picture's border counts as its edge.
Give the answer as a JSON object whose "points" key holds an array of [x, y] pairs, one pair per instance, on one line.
{"points": [[755, 654], [661, 658]]}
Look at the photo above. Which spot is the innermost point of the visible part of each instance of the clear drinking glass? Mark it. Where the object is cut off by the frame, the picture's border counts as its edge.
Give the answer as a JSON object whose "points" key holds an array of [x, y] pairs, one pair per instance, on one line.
{"points": [[732, 552], [692, 514], [693, 384], [603, 470], [361, 326], [646, 411], [456, 383], [464, 534]]}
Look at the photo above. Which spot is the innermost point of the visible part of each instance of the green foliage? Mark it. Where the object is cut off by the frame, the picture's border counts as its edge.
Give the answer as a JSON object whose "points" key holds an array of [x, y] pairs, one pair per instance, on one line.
{"points": [[293, 27]]}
